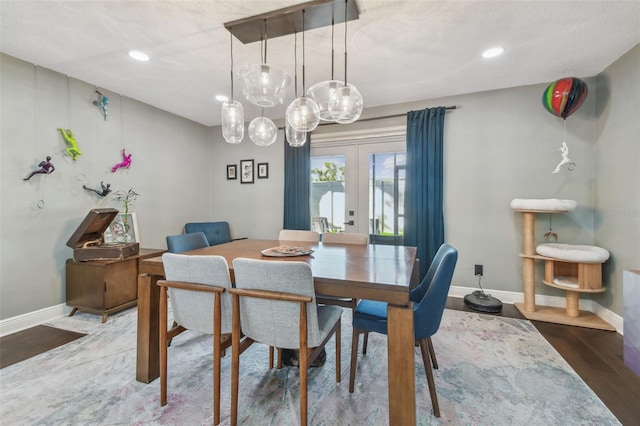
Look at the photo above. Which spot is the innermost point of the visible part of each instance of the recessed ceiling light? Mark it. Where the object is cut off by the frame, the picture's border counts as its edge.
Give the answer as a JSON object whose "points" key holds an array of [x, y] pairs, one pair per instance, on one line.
{"points": [[222, 98], [493, 52], [140, 56]]}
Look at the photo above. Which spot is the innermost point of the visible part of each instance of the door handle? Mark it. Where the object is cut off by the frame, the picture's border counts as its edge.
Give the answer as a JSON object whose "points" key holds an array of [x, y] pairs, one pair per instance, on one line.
{"points": [[351, 222]]}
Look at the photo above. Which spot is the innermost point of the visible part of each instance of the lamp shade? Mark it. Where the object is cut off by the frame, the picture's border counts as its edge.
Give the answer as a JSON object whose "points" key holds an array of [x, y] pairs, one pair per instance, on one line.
{"points": [[232, 121], [294, 137], [303, 114], [323, 93], [347, 104], [264, 85], [263, 131]]}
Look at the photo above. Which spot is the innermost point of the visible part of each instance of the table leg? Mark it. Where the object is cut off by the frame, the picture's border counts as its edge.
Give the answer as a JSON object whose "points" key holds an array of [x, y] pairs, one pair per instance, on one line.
{"points": [[148, 345], [402, 393]]}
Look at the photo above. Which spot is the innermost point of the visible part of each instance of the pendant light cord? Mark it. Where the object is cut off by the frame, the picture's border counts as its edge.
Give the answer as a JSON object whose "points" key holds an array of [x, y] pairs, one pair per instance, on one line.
{"points": [[295, 63], [303, 71], [345, 41], [332, 34], [231, 44]]}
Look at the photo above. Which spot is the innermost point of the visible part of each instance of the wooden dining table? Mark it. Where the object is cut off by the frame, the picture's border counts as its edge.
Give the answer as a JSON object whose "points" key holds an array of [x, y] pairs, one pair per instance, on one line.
{"points": [[375, 272]]}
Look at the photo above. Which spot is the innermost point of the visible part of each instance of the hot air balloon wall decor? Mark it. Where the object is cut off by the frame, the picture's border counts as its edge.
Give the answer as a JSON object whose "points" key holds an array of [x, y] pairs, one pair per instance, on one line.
{"points": [[562, 98]]}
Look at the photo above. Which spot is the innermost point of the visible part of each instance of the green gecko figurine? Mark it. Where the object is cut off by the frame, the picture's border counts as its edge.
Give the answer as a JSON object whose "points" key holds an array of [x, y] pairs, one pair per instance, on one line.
{"points": [[73, 149]]}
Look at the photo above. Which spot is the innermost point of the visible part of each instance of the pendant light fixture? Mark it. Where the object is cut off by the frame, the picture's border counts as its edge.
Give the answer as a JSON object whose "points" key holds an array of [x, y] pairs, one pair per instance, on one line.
{"points": [[264, 85], [263, 131], [303, 114], [294, 138], [346, 106], [324, 91], [232, 113]]}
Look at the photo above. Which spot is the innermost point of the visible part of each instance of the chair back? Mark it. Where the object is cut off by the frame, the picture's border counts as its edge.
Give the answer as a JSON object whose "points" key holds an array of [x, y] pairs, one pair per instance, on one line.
{"points": [[192, 309], [216, 232], [427, 311], [276, 322], [184, 242], [345, 238], [297, 235]]}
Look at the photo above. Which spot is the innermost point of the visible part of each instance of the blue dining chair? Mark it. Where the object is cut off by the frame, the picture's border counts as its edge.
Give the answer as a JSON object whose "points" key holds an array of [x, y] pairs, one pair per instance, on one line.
{"points": [[429, 300], [185, 242], [216, 232]]}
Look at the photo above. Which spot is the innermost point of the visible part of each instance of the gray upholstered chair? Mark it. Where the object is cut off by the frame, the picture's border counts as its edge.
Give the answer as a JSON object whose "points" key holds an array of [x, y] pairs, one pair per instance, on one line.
{"points": [[297, 235], [184, 242], [345, 238], [274, 303], [196, 286], [216, 232]]}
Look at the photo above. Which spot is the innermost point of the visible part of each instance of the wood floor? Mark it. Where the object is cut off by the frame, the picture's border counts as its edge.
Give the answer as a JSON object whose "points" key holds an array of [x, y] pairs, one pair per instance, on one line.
{"points": [[594, 354]]}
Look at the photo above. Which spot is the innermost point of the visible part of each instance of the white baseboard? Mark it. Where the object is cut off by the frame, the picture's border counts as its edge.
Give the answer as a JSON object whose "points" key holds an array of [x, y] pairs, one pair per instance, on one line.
{"points": [[512, 297], [31, 319]]}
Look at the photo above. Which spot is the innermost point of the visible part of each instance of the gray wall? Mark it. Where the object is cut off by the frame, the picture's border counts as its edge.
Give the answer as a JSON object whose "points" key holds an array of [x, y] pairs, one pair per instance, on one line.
{"points": [[500, 145], [617, 172], [170, 169]]}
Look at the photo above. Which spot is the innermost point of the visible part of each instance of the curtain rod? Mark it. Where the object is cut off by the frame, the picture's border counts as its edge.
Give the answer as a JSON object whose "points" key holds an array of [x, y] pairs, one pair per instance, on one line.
{"points": [[380, 117]]}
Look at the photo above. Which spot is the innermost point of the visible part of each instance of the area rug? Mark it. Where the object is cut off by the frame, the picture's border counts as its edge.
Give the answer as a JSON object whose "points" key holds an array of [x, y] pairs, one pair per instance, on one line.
{"points": [[493, 371]]}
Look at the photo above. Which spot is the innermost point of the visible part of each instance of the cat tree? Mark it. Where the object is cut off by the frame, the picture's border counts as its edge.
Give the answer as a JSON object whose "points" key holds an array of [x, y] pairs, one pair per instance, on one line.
{"points": [[575, 269]]}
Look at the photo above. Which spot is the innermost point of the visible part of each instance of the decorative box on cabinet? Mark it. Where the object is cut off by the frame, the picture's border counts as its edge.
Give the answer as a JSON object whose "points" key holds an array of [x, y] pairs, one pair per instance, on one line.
{"points": [[105, 286]]}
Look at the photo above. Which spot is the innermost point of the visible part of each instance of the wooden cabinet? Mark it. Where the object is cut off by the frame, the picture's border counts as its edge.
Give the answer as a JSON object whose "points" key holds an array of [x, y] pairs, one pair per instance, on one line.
{"points": [[105, 286]]}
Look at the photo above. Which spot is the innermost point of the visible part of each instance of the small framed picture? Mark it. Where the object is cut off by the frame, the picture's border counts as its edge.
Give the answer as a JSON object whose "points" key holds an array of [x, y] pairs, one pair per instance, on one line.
{"points": [[232, 171], [123, 230], [246, 171], [263, 170]]}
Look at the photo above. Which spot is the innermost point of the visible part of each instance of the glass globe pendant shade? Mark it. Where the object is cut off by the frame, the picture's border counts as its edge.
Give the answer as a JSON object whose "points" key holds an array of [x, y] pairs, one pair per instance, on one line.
{"points": [[264, 85], [263, 131], [323, 93], [303, 114], [347, 104], [294, 138], [232, 121]]}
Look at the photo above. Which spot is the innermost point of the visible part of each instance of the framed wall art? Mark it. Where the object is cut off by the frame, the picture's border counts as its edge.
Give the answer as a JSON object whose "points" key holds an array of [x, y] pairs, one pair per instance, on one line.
{"points": [[246, 171], [263, 170], [232, 171]]}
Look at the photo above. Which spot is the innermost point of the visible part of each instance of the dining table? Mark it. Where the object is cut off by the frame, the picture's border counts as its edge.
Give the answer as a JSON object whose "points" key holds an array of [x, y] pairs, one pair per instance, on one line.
{"points": [[376, 272]]}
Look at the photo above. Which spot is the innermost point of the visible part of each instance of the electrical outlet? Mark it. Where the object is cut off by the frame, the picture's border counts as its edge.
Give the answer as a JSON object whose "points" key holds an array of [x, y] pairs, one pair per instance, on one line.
{"points": [[478, 270]]}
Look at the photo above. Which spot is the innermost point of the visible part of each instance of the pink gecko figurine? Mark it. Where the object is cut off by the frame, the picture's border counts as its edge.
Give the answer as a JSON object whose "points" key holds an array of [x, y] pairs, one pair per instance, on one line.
{"points": [[126, 162]]}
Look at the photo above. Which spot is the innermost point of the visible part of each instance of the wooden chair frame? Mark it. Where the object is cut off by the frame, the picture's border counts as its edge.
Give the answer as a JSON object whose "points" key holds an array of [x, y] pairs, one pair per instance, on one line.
{"points": [[220, 341], [306, 357]]}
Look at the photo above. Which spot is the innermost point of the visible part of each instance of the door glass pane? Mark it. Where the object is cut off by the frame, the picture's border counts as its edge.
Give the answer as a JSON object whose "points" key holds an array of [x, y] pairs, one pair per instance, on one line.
{"points": [[386, 195], [328, 192]]}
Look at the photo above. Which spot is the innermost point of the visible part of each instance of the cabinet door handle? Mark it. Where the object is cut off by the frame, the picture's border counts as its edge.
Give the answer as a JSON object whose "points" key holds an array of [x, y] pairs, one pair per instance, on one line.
{"points": [[105, 286]]}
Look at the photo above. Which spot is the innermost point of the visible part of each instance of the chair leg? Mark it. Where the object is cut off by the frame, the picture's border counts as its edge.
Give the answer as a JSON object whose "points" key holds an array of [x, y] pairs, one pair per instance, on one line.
{"points": [[163, 346], [279, 358], [302, 368], [270, 357], [365, 340], [432, 353], [427, 368], [354, 358], [338, 352]]}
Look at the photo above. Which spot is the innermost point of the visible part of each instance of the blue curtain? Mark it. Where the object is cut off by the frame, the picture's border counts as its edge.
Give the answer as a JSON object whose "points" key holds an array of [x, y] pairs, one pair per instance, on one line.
{"points": [[423, 200], [297, 186]]}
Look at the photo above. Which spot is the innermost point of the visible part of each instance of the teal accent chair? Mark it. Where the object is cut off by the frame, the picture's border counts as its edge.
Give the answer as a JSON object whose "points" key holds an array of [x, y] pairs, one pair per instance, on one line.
{"points": [[429, 300]]}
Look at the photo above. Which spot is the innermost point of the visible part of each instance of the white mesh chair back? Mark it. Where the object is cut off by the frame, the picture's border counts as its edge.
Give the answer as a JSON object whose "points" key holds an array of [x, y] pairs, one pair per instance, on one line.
{"points": [[191, 309], [276, 322], [297, 235]]}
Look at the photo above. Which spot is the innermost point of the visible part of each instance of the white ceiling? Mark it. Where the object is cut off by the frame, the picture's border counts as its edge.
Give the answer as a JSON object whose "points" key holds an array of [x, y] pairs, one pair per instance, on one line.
{"points": [[399, 50]]}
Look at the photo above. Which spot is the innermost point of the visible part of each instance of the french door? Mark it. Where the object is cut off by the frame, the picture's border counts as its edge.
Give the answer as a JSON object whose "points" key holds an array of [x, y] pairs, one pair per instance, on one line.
{"points": [[359, 187]]}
